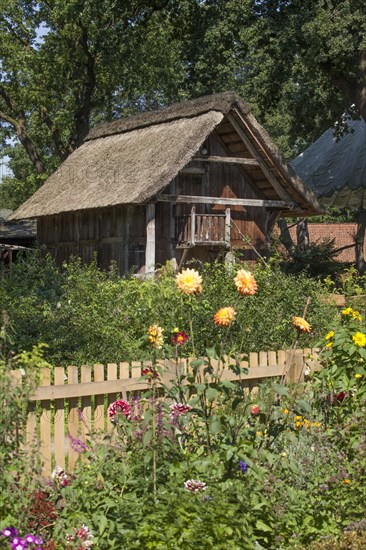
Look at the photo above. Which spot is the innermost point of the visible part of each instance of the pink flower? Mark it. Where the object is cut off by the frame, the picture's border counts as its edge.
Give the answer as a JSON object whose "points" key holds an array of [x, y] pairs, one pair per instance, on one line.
{"points": [[119, 407], [195, 486], [178, 409]]}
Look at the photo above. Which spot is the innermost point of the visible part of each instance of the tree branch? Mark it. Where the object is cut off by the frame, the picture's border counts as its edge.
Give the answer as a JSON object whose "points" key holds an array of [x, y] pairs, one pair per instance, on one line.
{"points": [[10, 102], [60, 149], [8, 119]]}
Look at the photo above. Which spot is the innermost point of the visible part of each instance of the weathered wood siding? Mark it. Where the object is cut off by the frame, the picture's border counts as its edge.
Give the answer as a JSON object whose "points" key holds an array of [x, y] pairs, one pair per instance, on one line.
{"points": [[119, 233], [223, 180], [112, 234]]}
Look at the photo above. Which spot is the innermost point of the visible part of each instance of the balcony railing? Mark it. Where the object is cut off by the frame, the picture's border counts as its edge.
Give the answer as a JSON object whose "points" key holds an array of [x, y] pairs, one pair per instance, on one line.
{"points": [[203, 229]]}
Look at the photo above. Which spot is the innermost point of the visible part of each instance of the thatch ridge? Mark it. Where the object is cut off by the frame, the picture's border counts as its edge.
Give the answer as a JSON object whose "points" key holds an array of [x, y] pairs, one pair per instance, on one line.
{"points": [[222, 102]]}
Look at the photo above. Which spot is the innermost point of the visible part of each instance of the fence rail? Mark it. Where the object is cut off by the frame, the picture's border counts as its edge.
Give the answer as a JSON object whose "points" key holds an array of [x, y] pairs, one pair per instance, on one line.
{"points": [[71, 403]]}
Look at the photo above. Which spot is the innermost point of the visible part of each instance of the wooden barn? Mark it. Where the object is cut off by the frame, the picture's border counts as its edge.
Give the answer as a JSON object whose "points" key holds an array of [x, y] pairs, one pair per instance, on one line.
{"points": [[194, 180]]}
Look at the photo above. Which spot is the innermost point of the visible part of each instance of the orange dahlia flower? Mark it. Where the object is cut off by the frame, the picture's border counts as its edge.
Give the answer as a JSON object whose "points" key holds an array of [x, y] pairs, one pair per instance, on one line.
{"points": [[189, 281], [245, 283], [225, 316], [301, 324]]}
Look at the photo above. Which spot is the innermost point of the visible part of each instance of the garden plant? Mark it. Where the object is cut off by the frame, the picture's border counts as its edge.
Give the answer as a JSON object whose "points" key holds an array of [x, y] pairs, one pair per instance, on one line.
{"points": [[202, 462]]}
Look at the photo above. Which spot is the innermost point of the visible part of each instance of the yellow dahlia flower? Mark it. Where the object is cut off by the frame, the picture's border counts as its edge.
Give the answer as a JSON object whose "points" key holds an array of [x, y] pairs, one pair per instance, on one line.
{"points": [[245, 283], [301, 324], [356, 315], [330, 335], [359, 339], [225, 316], [189, 281], [155, 336]]}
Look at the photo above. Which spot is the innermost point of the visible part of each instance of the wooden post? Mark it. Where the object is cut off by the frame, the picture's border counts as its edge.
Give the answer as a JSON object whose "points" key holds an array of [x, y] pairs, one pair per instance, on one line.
{"points": [[150, 240], [193, 225], [227, 225], [172, 230]]}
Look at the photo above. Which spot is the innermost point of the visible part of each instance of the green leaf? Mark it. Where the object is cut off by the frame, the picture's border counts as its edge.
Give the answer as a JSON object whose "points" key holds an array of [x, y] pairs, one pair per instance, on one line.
{"points": [[196, 363], [261, 526], [211, 353], [280, 389], [303, 406], [147, 437], [103, 522], [211, 394], [227, 384]]}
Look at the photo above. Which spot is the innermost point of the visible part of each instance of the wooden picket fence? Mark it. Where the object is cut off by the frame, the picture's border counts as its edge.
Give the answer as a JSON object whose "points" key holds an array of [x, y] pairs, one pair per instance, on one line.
{"points": [[71, 403]]}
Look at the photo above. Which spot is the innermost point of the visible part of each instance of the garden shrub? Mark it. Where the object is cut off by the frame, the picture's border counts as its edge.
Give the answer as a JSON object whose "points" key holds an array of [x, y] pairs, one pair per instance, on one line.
{"points": [[86, 315], [18, 468], [212, 465]]}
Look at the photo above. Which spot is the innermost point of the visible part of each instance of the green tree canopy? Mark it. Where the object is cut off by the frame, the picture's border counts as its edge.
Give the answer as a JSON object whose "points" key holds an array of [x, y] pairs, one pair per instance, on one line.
{"points": [[69, 64]]}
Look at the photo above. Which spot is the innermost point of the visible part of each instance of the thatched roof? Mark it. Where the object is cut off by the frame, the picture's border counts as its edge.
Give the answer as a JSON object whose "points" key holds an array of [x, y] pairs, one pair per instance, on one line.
{"points": [[130, 161], [335, 169]]}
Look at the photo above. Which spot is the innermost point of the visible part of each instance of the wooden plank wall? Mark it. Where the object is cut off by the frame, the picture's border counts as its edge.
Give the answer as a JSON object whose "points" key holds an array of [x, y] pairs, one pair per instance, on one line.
{"points": [[71, 403], [224, 180], [114, 234]]}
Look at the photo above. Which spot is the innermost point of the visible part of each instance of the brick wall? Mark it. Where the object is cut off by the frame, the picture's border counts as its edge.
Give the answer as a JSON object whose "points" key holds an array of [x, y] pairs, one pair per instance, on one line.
{"points": [[343, 233]]}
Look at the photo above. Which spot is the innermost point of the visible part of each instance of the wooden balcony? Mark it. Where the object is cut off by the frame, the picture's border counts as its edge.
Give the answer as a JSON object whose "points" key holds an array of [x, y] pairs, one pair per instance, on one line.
{"points": [[203, 229]]}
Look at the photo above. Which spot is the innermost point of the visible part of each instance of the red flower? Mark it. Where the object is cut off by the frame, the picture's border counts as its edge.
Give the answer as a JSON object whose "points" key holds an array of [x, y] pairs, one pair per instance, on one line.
{"points": [[150, 372], [255, 410], [179, 338], [341, 396]]}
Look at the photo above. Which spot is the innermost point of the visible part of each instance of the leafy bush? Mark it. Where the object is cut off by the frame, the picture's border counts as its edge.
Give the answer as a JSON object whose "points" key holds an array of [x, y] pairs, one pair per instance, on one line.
{"points": [[17, 467], [212, 465], [86, 315]]}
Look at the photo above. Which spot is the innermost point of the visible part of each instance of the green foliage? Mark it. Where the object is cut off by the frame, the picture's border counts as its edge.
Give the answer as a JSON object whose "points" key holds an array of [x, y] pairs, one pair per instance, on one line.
{"points": [[348, 282], [86, 315], [318, 260], [282, 471], [202, 462], [345, 354], [17, 467]]}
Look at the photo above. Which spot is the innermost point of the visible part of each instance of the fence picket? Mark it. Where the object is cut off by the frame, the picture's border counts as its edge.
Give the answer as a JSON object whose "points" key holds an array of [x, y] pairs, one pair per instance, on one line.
{"points": [[59, 429], [98, 400], [111, 375], [73, 418], [45, 426], [86, 410], [55, 445]]}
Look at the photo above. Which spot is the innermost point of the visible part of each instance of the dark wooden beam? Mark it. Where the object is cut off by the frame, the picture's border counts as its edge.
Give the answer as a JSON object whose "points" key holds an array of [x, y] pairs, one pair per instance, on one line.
{"points": [[227, 160], [195, 199]]}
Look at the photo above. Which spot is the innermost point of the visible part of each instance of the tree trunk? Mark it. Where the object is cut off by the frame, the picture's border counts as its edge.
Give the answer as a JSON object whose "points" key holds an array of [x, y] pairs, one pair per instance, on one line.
{"points": [[360, 240], [285, 236], [302, 234]]}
